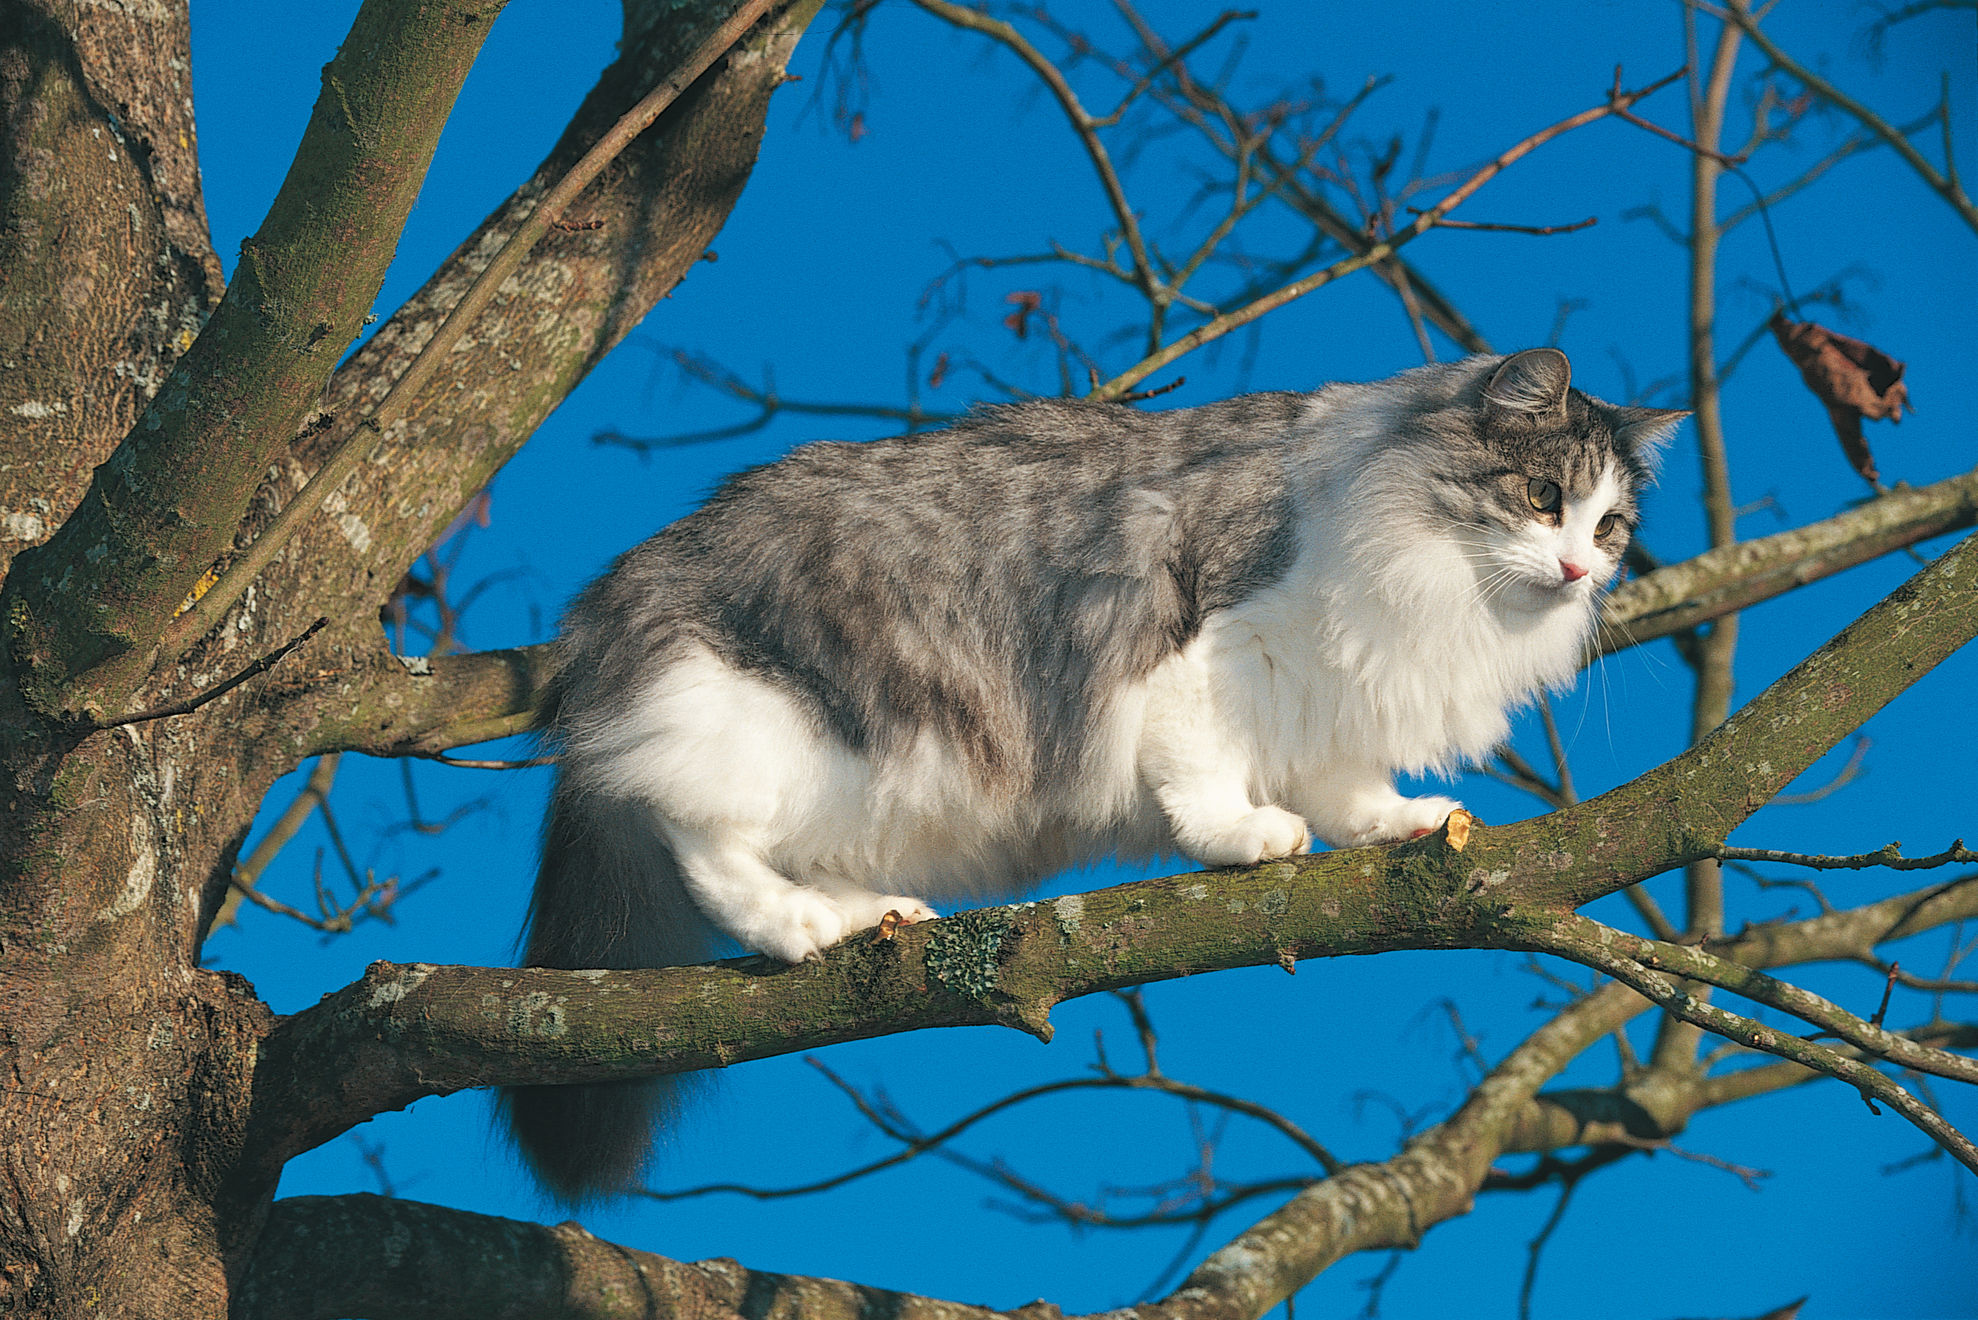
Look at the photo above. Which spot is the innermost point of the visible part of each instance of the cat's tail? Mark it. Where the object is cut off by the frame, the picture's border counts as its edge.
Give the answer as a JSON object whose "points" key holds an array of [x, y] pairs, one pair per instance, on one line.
{"points": [[608, 894]]}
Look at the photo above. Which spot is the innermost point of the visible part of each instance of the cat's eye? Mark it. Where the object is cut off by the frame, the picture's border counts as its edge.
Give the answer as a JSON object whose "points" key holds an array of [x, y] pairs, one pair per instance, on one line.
{"points": [[1544, 495], [1605, 527]]}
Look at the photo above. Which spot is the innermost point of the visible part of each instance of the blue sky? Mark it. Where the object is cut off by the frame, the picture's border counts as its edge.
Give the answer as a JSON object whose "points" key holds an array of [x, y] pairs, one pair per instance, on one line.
{"points": [[821, 273]]}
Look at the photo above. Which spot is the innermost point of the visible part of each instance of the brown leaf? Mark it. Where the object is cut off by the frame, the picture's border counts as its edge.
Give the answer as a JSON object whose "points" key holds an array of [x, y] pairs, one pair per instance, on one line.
{"points": [[939, 374], [1854, 379], [888, 924], [1026, 301]]}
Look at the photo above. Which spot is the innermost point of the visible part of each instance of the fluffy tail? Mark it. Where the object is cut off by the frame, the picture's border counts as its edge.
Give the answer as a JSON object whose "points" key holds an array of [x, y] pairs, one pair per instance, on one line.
{"points": [[608, 894]]}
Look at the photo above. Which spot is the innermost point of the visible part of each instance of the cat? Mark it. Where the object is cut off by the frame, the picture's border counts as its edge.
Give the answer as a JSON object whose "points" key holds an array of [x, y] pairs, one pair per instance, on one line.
{"points": [[945, 665]]}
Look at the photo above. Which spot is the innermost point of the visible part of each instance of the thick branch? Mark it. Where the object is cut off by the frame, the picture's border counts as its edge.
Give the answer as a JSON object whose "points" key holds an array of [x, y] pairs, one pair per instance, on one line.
{"points": [[86, 608], [1696, 800], [109, 272], [359, 441], [316, 1258], [647, 222], [323, 1257], [410, 706], [1681, 596]]}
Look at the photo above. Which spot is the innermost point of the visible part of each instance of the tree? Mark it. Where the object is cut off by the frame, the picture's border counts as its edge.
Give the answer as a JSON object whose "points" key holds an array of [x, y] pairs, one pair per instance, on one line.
{"points": [[188, 620]]}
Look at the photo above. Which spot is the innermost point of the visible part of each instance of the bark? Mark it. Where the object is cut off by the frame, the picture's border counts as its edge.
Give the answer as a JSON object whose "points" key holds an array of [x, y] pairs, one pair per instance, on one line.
{"points": [[166, 505], [109, 271]]}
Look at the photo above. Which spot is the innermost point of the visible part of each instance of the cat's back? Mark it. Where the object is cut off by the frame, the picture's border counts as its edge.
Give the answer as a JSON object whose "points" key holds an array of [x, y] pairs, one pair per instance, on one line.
{"points": [[1027, 548], [1049, 482]]}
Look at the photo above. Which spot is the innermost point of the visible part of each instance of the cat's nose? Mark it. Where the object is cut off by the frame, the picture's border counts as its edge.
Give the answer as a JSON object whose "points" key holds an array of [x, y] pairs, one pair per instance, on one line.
{"points": [[1572, 570]]}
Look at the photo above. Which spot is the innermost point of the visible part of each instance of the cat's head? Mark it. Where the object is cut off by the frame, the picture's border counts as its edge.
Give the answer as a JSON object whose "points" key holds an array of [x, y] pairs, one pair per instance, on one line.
{"points": [[1533, 482]]}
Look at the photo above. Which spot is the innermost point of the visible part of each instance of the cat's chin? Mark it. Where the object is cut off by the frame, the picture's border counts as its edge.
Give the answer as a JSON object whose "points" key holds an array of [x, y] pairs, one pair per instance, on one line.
{"points": [[1529, 598]]}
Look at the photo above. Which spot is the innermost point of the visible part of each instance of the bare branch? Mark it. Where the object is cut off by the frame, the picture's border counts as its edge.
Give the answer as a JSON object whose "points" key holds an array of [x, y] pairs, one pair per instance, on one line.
{"points": [[1567, 941], [1888, 855], [1422, 223], [187, 705], [1945, 186]]}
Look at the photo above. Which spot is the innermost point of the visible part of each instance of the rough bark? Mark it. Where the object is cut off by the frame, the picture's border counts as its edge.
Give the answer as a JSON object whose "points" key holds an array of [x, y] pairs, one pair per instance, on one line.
{"points": [[109, 271], [84, 610]]}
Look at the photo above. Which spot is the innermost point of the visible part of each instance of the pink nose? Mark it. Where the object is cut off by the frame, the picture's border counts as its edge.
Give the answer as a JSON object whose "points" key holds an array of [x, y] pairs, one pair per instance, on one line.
{"points": [[1572, 571]]}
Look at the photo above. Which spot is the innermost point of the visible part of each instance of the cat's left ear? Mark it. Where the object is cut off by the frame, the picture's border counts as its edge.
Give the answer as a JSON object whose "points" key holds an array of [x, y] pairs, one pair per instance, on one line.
{"points": [[1644, 431]]}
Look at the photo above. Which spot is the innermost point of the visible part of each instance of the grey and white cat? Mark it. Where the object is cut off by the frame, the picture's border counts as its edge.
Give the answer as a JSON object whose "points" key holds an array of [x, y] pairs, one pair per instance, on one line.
{"points": [[944, 665]]}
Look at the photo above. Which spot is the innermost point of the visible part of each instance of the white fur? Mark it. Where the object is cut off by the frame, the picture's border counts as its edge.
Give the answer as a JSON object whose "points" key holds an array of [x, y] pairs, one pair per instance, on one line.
{"points": [[1286, 717]]}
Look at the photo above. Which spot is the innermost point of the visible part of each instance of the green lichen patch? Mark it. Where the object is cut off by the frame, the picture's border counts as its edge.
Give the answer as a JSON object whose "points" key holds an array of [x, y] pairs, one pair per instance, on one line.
{"points": [[965, 951]]}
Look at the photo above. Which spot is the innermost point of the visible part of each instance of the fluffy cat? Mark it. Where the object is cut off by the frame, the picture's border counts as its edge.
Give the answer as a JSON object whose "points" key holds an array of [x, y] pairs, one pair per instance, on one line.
{"points": [[945, 665]]}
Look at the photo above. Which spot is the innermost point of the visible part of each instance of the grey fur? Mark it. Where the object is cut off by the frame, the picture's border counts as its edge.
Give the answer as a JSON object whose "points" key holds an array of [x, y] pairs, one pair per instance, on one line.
{"points": [[994, 583]]}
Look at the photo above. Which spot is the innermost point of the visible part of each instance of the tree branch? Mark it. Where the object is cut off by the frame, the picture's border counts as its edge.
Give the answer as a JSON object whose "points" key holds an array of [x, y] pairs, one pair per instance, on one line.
{"points": [[1678, 597], [1378, 252], [575, 297], [1945, 186], [1569, 941], [360, 440], [322, 1257], [85, 608]]}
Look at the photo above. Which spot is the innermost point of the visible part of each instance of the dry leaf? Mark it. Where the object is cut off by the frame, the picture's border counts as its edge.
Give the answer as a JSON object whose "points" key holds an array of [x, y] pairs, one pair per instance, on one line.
{"points": [[1855, 380], [1458, 826], [889, 923], [1026, 302], [939, 374]]}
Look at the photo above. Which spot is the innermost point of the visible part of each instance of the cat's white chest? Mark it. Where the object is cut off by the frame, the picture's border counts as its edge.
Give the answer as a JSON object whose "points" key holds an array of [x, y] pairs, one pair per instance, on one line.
{"points": [[1322, 671]]}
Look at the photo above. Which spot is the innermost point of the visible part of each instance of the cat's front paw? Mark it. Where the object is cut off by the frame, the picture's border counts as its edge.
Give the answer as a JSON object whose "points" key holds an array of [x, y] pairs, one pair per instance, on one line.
{"points": [[1405, 818], [1265, 833], [801, 925]]}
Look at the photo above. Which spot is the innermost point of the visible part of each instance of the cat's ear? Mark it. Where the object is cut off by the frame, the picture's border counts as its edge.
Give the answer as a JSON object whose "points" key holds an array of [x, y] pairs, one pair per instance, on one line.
{"points": [[1529, 388], [1644, 431]]}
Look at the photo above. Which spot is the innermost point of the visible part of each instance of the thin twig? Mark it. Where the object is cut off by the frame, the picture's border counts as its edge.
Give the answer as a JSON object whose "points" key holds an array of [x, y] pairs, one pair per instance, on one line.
{"points": [[1510, 229], [1846, 775], [220, 689], [1946, 187], [1889, 856], [1422, 223], [1082, 123]]}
